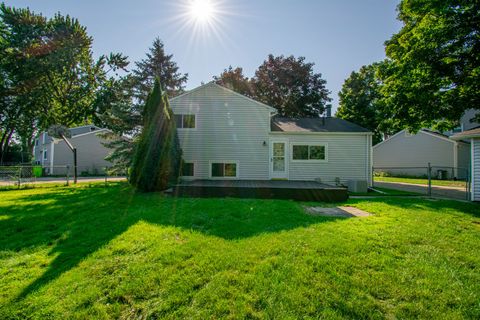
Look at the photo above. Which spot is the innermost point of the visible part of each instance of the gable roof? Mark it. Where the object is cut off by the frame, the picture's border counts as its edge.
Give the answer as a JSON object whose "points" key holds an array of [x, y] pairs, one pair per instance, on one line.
{"points": [[215, 85], [329, 124], [434, 134], [473, 133]]}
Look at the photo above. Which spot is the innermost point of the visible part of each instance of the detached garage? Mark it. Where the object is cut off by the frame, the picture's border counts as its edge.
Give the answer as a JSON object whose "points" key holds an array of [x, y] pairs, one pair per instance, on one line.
{"points": [[474, 137]]}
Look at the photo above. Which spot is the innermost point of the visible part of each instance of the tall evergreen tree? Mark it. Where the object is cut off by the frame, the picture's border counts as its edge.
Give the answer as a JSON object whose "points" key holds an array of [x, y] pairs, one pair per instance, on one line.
{"points": [[160, 65], [157, 158]]}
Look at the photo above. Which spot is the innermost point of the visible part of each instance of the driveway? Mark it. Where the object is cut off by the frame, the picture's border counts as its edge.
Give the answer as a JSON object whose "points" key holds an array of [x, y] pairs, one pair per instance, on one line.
{"points": [[437, 191]]}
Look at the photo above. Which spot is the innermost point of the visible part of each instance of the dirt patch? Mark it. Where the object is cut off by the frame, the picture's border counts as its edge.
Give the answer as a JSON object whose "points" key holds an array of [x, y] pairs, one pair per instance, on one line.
{"points": [[337, 212]]}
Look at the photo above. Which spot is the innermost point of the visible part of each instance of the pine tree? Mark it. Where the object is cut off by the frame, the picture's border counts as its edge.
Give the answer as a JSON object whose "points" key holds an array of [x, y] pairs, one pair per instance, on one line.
{"points": [[157, 64], [157, 158]]}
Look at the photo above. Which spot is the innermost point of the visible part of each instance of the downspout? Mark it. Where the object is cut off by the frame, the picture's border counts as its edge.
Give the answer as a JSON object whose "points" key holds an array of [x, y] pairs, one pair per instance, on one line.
{"points": [[52, 153], [455, 159]]}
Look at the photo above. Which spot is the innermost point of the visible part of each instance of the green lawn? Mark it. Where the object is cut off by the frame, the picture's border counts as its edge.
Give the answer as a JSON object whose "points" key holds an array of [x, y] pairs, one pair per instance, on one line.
{"points": [[445, 183], [95, 252]]}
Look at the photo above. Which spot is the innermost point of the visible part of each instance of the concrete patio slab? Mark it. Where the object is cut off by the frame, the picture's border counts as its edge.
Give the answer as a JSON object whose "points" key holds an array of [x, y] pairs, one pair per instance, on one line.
{"points": [[341, 211]]}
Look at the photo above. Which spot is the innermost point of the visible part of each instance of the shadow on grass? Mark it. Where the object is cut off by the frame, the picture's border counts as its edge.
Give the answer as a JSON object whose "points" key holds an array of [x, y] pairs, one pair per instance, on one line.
{"points": [[75, 222]]}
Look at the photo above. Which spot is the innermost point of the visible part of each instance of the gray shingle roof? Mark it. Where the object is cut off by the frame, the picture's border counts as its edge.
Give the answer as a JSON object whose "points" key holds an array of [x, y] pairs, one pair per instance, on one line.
{"points": [[279, 124]]}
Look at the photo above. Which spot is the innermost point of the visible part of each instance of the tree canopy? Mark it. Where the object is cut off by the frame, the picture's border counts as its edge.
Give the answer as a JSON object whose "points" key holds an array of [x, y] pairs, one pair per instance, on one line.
{"points": [[235, 80], [291, 86], [362, 102], [49, 74], [435, 74], [158, 64], [288, 84]]}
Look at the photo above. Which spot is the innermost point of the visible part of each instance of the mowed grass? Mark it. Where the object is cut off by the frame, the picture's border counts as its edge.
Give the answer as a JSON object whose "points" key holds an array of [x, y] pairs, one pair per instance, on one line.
{"points": [[106, 252], [444, 183]]}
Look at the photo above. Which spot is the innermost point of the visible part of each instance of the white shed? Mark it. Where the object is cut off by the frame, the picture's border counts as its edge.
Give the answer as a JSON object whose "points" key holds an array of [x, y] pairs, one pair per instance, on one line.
{"points": [[474, 137]]}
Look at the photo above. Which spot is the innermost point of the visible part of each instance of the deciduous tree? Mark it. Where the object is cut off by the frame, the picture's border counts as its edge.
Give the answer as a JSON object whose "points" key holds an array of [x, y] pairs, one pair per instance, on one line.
{"points": [[435, 74], [291, 86]]}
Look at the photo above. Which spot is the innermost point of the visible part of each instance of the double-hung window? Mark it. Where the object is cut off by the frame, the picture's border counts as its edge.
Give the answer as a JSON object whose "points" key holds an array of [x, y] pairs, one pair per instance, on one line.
{"points": [[305, 152], [224, 170], [185, 121]]}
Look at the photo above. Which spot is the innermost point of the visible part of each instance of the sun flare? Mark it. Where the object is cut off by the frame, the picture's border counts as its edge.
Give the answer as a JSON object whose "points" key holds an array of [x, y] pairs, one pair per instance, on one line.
{"points": [[202, 10]]}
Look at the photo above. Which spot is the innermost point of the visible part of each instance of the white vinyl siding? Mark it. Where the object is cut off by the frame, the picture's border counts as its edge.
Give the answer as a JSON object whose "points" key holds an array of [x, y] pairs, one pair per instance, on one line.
{"points": [[476, 169], [228, 126], [347, 157]]}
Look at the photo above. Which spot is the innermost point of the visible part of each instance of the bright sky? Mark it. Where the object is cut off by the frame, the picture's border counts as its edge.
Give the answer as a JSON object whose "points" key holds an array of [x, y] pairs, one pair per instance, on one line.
{"points": [[339, 36]]}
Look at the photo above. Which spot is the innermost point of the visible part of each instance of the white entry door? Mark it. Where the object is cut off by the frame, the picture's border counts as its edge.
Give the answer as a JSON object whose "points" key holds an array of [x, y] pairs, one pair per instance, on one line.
{"points": [[278, 159]]}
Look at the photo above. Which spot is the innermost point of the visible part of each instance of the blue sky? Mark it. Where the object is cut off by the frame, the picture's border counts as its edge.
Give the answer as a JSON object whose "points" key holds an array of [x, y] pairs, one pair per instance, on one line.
{"points": [[339, 36]]}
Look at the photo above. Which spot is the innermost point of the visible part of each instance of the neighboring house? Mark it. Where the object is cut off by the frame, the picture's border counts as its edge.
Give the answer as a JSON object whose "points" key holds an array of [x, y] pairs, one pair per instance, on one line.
{"points": [[473, 136], [225, 135], [409, 154], [54, 155]]}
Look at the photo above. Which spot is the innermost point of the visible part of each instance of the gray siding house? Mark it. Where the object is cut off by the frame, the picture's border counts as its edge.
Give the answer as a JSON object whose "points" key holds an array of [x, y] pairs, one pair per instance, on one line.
{"points": [[225, 135], [409, 154], [473, 136], [54, 155]]}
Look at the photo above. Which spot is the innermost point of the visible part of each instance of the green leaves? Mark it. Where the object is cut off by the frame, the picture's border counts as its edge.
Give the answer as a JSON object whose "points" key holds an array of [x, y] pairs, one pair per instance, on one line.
{"points": [[436, 75]]}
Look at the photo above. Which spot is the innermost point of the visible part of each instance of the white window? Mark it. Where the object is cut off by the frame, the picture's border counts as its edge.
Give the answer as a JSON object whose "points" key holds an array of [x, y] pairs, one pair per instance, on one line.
{"points": [[185, 121], [45, 154], [308, 152], [224, 169]]}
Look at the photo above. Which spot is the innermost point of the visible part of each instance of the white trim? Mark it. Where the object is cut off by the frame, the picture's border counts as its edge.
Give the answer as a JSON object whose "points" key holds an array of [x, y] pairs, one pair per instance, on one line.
{"points": [[52, 152], [83, 134], [455, 158], [186, 114], [370, 163], [382, 142], [436, 136], [321, 133], [286, 156], [226, 89], [325, 145], [224, 162]]}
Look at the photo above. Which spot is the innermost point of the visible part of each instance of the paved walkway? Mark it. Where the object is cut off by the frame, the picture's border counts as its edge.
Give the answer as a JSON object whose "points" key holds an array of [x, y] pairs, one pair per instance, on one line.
{"points": [[437, 191]]}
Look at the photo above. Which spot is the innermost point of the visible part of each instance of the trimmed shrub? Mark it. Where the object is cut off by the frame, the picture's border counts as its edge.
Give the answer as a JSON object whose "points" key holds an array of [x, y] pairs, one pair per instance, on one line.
{"points": [[156, 162]]}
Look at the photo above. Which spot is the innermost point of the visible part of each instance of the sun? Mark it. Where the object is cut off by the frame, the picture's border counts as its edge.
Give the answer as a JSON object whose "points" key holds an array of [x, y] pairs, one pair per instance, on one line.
{"points": [[202, 10]]}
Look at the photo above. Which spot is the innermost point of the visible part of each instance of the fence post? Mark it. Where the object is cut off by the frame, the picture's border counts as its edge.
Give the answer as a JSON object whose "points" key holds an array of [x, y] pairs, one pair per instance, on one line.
{"points": [[429, 174], [19, 176], [106, 168], [68, 175], [467, 185]]}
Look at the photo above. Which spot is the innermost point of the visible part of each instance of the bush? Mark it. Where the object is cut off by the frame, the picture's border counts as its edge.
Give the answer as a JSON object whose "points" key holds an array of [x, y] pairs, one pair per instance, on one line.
{"points": [[157, 156]]}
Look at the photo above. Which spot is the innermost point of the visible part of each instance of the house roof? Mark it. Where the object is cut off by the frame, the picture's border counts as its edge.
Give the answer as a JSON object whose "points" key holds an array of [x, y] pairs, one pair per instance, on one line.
{"points": [[214, 84], [329, 124], [473, 133]]}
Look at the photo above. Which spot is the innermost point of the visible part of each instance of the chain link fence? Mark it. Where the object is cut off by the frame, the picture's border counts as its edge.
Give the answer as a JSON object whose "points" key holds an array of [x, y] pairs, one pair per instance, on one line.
{"points": [[436, 181], [23, 175]]}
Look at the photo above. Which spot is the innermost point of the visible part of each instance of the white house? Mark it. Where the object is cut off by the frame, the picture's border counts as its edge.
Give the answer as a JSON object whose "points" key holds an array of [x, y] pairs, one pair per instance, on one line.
{"points": [[225, 135], [54, 155], [409, 154], [473, 136]]}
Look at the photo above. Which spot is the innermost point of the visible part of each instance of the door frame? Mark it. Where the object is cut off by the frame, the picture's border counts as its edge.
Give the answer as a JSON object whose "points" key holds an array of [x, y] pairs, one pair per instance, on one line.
{"points": [[270, 153]]}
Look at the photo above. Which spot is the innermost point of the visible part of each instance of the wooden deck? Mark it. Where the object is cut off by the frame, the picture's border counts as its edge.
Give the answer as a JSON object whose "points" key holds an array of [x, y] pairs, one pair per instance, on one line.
{"points": [[263, 189]]}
